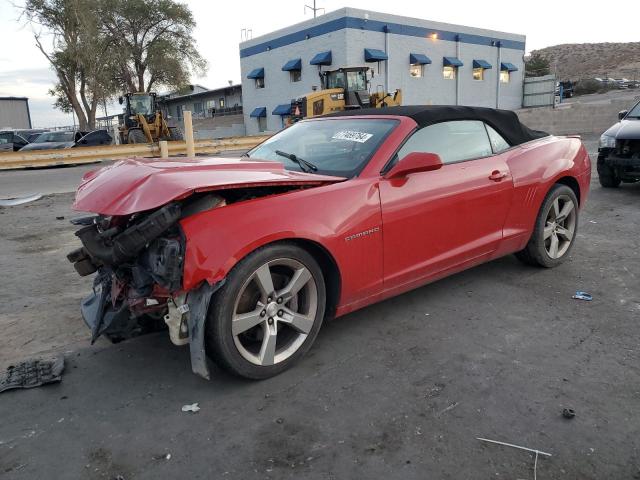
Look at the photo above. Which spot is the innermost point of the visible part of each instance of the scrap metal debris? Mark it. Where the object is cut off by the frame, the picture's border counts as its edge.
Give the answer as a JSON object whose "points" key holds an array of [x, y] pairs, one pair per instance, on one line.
{"points": [[533, 450], [32, 373], [583, 296], [568, 412], [12, 202], [191, 408]]}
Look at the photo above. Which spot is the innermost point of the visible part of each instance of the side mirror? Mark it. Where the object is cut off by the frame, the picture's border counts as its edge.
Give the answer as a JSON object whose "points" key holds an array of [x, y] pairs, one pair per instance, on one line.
{"points": [[413, 163], [622, 114], [120, 100]]}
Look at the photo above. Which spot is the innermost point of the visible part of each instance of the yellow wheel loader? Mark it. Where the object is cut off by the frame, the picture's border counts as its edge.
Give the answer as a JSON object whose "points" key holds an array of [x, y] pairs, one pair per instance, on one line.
{"points": [[143, 120], [342, 89]]}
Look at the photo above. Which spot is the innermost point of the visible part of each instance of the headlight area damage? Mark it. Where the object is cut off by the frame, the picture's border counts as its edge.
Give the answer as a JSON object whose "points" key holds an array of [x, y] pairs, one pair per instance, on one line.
{"points": [[135, 245], [139, 263]]}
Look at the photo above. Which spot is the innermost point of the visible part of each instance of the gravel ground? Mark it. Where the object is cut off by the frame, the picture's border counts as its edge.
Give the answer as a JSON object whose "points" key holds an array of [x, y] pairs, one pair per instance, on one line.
{"points": [[400, 389]]}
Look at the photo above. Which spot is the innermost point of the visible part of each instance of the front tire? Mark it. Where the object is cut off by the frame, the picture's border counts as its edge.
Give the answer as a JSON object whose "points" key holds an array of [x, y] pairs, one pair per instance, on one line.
{"points": [[268, 313], [607, 175], [175, 134], [555, 229], [136, 136]]}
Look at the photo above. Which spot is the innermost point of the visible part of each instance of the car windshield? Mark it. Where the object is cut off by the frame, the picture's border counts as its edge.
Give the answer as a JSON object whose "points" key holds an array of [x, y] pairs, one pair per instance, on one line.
{"points": [[141, 104], [635, 111], [340, 147], [54, 137]]}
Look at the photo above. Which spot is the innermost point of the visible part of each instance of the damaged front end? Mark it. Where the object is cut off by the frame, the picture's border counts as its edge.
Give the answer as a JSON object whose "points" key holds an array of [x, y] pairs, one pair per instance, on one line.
{"points": [[624, 159], [138, 286]]}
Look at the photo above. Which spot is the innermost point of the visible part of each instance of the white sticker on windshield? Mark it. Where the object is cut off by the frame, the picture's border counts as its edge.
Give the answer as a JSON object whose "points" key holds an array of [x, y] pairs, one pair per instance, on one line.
{"points": [[352, 136]]}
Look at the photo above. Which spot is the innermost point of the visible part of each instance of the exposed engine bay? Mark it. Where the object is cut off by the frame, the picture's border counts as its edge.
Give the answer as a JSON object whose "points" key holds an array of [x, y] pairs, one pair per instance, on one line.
{"points": [[138, 261]]}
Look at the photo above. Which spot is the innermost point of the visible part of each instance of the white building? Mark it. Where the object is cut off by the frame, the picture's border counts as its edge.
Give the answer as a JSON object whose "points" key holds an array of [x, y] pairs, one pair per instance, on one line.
{"points": [[432, 62]]}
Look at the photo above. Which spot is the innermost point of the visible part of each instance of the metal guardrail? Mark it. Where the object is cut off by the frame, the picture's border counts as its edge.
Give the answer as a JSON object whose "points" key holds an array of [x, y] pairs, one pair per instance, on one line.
{"points": [[76, 156]]}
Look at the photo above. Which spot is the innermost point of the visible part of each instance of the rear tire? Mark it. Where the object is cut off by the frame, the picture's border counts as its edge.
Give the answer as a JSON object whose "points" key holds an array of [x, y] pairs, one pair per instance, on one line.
{"points": [[555, 229], [268, 313], [136, 136], [607, 175]]}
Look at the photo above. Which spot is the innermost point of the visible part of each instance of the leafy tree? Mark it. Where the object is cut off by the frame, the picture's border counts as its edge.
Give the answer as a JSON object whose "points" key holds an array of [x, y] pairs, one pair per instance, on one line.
{"points": [[101, 47], [67, 33], [536, 66], [154, 42]]}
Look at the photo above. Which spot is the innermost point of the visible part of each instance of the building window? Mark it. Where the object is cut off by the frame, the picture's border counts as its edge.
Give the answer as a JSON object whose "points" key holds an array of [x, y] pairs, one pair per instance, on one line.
{"points": [[259, 82], [221, 99], [295, 75], [262, 124], [211, 104], [415, 70], [505, 76], [449, 72], [478, 73], [197, 107]]}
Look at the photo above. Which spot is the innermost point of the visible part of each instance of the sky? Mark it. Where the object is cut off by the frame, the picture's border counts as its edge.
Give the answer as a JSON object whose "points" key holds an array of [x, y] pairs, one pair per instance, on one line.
{"points": [[25, 72]]}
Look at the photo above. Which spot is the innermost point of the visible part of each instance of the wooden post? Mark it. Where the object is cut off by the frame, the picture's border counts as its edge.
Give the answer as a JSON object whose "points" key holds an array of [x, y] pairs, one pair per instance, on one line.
{"points": [[164, 149], [188, 134]]}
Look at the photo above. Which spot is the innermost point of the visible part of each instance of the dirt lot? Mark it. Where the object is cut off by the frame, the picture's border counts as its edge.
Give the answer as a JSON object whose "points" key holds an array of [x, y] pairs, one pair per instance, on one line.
{"points": [[400, 389], [40, 288]]}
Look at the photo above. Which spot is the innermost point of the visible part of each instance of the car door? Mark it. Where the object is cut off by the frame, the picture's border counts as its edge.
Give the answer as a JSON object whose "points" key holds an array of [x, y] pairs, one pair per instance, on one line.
{"points": [[18, 142], [439, 220], [97, 137]]}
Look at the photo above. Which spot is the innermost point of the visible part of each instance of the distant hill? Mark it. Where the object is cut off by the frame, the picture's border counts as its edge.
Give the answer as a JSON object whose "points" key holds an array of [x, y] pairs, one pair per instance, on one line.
{"points": [[573, 61]]}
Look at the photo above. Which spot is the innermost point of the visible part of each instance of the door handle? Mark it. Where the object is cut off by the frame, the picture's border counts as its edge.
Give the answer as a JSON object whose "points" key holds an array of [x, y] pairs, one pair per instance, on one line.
{"points": [[497, 175]]}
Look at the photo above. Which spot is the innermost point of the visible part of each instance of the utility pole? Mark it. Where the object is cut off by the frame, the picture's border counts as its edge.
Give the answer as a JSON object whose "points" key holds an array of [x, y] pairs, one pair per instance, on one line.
{"points": [[314, 8]]}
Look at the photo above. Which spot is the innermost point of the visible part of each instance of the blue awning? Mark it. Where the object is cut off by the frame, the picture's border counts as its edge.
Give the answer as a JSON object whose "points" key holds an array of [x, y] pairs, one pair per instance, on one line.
{"points": [[481, 64], [293, 64], [257, 73], [284, 109], [451, 62], [419, 59], [510, 67], [322, 58], [374, 55], [259, 112]]}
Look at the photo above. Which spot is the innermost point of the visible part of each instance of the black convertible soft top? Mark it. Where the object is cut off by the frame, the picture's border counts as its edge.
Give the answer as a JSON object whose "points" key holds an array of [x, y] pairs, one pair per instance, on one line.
{"points": [[505, 122]]}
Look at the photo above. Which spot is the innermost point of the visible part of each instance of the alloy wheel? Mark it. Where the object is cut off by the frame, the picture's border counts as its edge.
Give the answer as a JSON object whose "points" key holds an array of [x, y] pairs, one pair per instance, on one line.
{"points": [[274, 311], [560, 226]]}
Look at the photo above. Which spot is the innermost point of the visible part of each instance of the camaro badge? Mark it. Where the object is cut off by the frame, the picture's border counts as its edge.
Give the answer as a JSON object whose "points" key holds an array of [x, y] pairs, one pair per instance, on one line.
{"points": [[371, 231]]}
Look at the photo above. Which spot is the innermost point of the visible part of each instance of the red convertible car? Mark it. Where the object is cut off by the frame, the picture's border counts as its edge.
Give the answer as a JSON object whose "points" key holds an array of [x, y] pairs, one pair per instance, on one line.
{"points": [[243, 258]]}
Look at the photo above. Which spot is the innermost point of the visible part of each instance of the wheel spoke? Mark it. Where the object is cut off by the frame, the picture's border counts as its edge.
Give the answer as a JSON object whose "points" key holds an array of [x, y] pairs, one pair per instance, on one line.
{"points": [[299, 279], [555, 208], [241, 322], [565, 211], [564, 233], [268, 348], [553, 248], [264, 280], [548, 230], [298, 321]]}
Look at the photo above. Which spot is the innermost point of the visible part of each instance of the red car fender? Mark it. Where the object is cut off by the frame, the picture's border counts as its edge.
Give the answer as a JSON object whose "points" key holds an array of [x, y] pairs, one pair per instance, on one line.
{"points": [[329, 215], [533, 179]]}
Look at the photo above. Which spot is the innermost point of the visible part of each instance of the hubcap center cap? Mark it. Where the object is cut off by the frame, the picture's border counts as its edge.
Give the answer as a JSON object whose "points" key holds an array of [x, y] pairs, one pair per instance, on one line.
{"points": [[272, 309]]}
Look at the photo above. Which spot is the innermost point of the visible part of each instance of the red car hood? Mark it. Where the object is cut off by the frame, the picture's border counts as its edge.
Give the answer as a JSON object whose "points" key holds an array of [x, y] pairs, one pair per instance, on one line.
{"points": [[136, 185]]}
